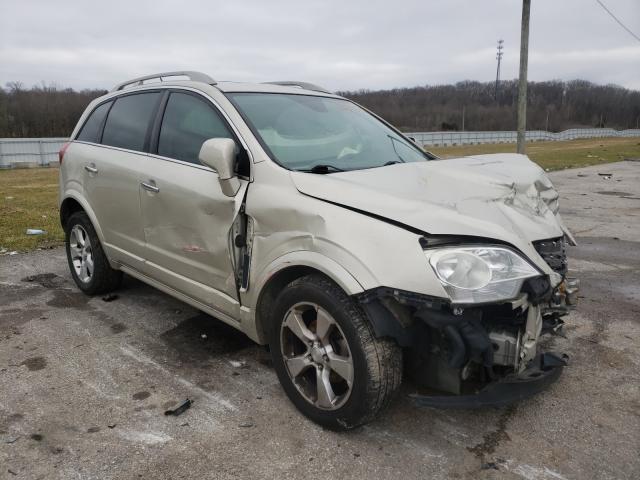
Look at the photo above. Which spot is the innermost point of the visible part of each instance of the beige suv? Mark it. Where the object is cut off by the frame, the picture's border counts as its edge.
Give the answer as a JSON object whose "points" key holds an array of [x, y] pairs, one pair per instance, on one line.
{"points": [[313, 226]]}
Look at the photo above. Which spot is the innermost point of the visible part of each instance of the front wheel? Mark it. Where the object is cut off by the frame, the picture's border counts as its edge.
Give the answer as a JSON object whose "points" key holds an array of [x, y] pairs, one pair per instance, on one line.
{"points": [[327, 358]]}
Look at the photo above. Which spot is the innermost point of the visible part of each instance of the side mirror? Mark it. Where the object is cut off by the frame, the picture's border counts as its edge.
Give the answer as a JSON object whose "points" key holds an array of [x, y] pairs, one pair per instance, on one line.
{"points": [[220, 155]]}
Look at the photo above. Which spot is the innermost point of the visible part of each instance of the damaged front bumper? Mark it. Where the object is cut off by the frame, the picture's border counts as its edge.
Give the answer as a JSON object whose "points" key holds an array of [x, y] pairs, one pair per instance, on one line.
{"points": [[476, 356], [544, 370]]}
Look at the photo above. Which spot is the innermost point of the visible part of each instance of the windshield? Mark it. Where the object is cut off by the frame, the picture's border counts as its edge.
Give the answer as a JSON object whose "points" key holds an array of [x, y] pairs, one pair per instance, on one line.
{"points": [[302, 132]]}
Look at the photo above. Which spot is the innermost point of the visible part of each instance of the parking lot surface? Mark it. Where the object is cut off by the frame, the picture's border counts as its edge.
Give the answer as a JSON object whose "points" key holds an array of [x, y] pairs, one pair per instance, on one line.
{"points": [[84, 383]]}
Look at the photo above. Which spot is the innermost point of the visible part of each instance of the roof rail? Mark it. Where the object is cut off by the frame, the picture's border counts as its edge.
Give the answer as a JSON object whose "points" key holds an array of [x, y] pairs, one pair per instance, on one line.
{"points": [[193, 76], [305, 85]]}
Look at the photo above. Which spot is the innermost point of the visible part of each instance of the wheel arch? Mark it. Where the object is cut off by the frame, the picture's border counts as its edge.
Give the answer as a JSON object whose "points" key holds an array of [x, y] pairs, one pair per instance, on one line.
{"points": [[285, 270], [73, 203]]}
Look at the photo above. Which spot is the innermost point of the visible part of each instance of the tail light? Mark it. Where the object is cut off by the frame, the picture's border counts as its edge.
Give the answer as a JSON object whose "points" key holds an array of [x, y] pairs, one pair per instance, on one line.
{"points": [[62, 151]]}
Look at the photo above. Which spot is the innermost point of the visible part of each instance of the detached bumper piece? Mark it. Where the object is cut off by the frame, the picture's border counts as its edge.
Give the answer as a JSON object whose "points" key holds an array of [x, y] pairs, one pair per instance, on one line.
{"points": [[543, 370]]}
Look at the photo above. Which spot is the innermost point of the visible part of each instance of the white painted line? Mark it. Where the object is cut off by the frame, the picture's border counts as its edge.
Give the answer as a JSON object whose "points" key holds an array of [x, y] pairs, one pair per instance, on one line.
{"points": [[213, 397]]}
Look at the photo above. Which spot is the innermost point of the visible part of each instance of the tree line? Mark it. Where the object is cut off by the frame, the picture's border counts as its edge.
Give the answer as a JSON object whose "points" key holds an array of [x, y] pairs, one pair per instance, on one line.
{"points": [[49, 111], [469, 105], [41, 111]]}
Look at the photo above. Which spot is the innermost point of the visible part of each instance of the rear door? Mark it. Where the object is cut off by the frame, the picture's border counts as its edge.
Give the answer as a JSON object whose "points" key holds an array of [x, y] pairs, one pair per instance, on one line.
{"points": [[187, 219], [118, 136]]}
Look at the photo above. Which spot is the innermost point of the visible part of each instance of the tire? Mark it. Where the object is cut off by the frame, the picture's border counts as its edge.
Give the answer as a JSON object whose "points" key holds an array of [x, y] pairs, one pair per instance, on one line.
{"points": [[82, 245], [376, 363]]}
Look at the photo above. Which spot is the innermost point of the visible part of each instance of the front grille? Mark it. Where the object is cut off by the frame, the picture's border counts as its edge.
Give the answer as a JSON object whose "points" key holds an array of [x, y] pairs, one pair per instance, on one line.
{"points": [[554, 252]]}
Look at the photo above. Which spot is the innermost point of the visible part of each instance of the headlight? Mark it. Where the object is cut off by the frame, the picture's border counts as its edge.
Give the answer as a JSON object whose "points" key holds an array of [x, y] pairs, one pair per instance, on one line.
{"points": [[480, 274]]}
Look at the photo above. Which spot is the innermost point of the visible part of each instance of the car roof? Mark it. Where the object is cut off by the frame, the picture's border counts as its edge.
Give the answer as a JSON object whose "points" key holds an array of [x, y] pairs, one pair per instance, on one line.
{"points": [[291, 87], [204, 82]]}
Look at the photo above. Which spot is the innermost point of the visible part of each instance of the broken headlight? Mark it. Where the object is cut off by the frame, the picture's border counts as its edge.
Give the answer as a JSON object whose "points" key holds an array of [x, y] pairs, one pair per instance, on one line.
{"points": [[480, 274]]}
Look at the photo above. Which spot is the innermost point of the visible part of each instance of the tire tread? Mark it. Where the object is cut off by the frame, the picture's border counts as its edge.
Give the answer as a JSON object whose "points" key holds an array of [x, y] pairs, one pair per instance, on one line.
{"points": [[383, 355]]}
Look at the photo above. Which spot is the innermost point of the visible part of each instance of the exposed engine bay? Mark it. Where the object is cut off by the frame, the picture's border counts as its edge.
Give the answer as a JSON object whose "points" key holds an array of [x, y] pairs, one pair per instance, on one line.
{"points": [[464, 352]]}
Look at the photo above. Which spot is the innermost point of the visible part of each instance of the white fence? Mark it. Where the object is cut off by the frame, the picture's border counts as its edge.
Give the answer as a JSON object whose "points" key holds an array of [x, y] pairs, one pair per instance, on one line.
{"points": [[34, 152], [29, 152], [439, 139]]}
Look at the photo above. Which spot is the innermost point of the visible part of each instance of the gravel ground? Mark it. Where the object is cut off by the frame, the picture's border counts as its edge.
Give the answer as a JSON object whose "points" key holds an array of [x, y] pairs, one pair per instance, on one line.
{"points": [[84, 382]]}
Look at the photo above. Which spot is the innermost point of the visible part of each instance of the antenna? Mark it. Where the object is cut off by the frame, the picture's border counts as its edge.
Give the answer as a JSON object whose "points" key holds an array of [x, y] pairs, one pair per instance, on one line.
{"points": [[499, 54]]}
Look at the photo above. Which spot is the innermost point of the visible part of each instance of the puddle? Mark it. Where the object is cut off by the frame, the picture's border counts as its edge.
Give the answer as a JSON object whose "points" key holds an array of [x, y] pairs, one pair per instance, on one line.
{"points": [[69, 299], [46, 280], [118, 327], [35, 363]]}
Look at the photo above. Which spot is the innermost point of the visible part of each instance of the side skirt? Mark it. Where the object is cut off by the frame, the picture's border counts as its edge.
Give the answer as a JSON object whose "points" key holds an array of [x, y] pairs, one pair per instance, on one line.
{"points": [[181, 296]]}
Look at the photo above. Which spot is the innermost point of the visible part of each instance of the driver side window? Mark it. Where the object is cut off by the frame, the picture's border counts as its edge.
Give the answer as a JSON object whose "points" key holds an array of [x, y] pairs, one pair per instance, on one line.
{"points": [[187, 123]]}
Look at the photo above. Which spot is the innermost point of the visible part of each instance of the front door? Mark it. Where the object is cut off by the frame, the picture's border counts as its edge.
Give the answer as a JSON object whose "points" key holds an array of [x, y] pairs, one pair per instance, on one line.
{"points": [[186, 218]]}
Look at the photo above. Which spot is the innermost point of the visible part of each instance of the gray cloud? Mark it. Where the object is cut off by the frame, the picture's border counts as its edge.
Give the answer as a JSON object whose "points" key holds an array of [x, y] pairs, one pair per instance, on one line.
{"points": [[346, 44]]}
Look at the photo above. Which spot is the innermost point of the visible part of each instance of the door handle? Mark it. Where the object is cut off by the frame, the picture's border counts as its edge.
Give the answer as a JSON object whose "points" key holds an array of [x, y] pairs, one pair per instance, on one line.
{"points": [[91, 168], [150, 187]]}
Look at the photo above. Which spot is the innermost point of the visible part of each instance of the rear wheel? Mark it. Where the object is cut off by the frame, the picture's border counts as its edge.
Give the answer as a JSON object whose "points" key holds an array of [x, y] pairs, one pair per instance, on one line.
{"points": [[327, 358], [89, 265]]}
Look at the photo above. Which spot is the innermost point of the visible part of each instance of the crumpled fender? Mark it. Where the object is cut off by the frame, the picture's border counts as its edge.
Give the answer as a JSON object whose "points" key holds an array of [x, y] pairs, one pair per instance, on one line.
{"points": [[305, 258]]}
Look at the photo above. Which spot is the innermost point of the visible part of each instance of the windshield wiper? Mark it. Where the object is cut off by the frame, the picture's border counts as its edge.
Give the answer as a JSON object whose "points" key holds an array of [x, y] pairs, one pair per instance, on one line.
{"points": [[322, 169]]}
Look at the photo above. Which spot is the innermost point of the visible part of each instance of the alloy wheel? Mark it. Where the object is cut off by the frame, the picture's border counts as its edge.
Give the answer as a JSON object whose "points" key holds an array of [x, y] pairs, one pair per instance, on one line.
{"points": [[81, 253], [316, 355]]}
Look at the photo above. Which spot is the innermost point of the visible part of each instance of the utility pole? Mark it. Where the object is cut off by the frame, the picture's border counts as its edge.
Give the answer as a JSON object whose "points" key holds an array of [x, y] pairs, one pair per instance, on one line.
{"points": [[499, 58], [546, 125], [463, 118], [522, 83]]}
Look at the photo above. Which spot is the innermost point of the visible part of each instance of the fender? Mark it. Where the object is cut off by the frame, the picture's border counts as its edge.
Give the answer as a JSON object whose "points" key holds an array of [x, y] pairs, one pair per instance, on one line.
{"points": [[299, 258], [87, 208]]}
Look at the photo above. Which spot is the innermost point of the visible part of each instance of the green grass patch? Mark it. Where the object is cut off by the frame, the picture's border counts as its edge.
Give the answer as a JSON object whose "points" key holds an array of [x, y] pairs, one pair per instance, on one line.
{"points": [[557, 155], [29, 199]]}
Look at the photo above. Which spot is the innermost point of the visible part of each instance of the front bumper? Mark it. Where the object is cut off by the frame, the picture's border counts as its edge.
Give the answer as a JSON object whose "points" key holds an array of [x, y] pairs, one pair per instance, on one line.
{"points": [[544, 370]]}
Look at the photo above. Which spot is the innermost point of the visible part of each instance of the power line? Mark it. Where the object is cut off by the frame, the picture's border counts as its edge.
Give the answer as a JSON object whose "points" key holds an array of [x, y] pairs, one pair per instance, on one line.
{"points": [[619, 22]]}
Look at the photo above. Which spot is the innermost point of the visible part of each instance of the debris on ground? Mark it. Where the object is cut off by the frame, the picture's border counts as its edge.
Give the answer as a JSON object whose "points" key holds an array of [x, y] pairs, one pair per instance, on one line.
{"points": [[246, 425], [35, 231], [110, 298], [238, 364], [4, 251], [11, 440], [203, 336], [606, 176], [112, 425], [181, 408]]}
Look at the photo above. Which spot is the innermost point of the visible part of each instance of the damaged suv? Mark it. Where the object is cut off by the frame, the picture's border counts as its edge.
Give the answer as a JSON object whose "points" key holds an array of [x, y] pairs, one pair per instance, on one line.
{"points": [[315, 227]]}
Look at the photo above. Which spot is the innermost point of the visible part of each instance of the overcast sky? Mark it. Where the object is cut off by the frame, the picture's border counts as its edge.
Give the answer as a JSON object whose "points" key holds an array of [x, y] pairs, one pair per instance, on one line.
{"points": [[346, 44]]}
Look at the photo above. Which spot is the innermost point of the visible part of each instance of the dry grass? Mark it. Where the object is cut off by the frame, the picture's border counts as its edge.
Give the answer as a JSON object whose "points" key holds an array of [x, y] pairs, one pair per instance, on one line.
{"points": [[29, 199], [29, 196], [557, 155]]}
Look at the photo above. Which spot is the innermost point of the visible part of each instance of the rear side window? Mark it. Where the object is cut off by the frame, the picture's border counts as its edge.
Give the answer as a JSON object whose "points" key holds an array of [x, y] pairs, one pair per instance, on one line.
{"points": [[129, 119], [187, 123], [91, 129]]}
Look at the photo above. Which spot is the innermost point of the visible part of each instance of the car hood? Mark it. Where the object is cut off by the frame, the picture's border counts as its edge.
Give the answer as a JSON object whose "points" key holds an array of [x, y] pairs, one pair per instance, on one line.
{"points": [[499, 196]]}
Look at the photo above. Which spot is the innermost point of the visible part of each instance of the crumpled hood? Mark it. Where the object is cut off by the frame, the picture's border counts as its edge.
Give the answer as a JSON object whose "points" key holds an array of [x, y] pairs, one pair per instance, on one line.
{"points": [[500, 196]]}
